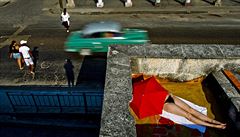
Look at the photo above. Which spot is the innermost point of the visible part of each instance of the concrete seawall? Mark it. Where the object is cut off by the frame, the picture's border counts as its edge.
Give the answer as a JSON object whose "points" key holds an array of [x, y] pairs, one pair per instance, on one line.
{"points": [[116, 119]]}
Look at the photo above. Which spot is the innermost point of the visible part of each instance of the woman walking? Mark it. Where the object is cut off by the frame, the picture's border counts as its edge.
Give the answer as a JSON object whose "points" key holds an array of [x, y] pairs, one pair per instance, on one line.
{"points": [[65, 19], [15, 54]]}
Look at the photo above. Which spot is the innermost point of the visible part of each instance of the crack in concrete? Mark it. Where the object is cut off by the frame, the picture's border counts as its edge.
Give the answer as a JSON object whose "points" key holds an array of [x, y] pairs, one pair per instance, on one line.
{"points": [[4, 3]]}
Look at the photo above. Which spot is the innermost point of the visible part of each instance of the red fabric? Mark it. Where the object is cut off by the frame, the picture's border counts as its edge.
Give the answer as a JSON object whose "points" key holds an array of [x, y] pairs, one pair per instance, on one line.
{"points": [[148, 98], [164, 121]]}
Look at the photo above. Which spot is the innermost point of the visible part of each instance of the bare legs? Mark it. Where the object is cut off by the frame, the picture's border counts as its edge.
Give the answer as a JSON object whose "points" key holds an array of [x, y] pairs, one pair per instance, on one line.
{"points": [[20, 64], [31, 68], [182, 109]]}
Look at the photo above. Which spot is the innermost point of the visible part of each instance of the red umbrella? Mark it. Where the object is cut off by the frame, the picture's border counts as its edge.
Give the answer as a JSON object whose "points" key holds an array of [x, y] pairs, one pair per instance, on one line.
{"points": [[148, 98]]}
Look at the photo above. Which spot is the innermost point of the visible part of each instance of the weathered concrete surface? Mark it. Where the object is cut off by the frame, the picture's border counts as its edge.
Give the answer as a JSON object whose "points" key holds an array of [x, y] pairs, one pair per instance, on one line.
{"points": [[184, 69], [116, 120], [185, 62]]}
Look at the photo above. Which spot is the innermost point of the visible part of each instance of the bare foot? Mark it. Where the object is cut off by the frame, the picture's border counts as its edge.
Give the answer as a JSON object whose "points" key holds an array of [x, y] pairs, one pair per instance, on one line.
{"points": [[33, 74], [221, 126]]}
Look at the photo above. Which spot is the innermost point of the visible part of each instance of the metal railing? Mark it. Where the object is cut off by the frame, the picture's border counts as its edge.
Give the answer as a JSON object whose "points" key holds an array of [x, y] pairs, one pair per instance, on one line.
{"points": [[78, 102]]}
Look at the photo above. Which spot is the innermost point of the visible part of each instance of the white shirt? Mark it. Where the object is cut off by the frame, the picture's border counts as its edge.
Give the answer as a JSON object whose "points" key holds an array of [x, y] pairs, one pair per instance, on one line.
{"points": [[25, 51], [65, 17]]}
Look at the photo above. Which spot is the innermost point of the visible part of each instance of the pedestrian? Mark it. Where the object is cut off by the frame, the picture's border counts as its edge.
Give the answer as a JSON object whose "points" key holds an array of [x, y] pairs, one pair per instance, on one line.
{"points": [[14, 53], [68, 66], [27, 56], [65, 19], [35, 55]]}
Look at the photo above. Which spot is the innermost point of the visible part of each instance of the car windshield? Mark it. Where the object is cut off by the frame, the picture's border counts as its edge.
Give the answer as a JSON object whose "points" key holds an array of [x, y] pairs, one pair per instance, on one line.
{"points": [[104, 35], [99, 28]]}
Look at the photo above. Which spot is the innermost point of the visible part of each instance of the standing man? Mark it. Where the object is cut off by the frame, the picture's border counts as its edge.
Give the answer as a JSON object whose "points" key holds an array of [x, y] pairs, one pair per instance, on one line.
{"points": [[65, 19], [68, 66], [27, 56], [35, 57]]}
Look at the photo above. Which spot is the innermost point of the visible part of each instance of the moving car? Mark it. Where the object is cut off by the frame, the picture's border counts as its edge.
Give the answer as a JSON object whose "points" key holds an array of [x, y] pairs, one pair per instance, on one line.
{"points": [[97, 36]]}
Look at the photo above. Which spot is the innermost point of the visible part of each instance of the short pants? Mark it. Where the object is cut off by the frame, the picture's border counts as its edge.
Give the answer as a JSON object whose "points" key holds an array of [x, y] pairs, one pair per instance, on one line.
{"points": [[16, 55], [28, 61]]}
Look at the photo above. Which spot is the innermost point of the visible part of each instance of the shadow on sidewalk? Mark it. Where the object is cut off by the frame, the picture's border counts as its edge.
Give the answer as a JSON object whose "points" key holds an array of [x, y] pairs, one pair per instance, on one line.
{"points": [[209, 2]]}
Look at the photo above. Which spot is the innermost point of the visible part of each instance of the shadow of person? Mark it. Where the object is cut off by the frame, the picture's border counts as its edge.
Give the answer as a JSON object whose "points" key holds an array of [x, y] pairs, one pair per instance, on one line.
{"points": [[209, 2], [151, 1], [68, 66], [182, 2], [35, 54]]}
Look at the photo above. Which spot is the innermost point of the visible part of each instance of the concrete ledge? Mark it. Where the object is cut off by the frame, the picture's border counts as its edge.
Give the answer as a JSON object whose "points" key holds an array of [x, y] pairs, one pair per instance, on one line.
{"points": [[228, 97], [181, 61], [116, 120], [226, 86]]}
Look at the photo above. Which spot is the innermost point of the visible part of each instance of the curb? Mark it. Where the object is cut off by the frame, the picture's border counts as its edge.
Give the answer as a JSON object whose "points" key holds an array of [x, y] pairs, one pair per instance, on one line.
{"points": [[171, 10]]}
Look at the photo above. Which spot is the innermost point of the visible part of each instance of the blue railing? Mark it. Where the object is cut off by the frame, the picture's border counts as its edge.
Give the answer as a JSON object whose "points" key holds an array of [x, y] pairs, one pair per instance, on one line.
{"points": [[52, 102]]}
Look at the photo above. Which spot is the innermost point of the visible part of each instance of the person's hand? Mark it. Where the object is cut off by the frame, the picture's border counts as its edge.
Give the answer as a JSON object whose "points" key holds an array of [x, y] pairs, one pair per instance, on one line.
{"points": [[10, 55]]}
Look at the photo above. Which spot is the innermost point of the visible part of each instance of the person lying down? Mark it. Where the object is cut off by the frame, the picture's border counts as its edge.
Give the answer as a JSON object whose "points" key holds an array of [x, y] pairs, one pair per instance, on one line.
{"points": [[170, 103], [176, 106]]}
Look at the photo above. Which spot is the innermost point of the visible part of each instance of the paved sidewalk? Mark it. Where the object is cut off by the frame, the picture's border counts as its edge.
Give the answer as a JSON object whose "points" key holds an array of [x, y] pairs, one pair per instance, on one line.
{"points": [[4, 2], [145, 6]]}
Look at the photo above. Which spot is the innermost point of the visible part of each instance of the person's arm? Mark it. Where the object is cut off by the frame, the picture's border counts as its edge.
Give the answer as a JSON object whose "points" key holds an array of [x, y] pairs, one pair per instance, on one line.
{"points": [[68, 16], [30, 53], [10, 55], [20, 51]]}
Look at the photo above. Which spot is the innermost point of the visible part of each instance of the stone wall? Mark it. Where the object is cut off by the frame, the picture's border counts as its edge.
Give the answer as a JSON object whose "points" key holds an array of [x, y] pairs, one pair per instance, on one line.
{"points": [[187, 62], [183, 69]]}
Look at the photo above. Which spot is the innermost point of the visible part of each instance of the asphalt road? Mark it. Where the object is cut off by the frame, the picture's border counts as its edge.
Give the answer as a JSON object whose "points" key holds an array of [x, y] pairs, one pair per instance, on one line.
{"points": [[49, 36], [163, 33], [195, 35]]}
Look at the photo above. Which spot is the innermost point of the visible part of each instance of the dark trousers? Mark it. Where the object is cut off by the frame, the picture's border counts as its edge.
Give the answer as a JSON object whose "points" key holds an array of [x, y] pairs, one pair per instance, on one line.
{"points": [[65, 24], [70, 79]]}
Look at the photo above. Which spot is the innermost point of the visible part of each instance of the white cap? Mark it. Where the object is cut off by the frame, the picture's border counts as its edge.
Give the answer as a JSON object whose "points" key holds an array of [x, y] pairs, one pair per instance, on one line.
{"points": [[23, 42]]}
